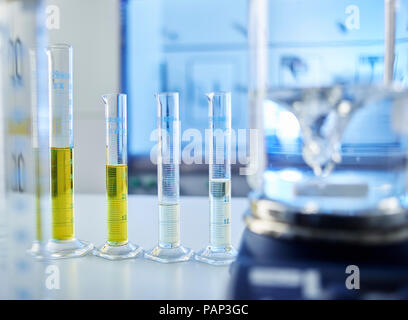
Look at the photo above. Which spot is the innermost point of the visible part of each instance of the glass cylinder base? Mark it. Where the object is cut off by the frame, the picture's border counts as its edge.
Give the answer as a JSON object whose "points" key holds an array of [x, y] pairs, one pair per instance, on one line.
{"points": [[217, 256], [36, 250], [60, 249], [125, 251], [169, 255]]}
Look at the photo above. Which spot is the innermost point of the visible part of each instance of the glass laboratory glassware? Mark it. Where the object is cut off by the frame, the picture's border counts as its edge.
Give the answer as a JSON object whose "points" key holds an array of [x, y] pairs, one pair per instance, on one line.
{"points": [[63, 243], [330, 106], [169, 248], [220, 250], [36, 249], [117, 246], [40, 146]]}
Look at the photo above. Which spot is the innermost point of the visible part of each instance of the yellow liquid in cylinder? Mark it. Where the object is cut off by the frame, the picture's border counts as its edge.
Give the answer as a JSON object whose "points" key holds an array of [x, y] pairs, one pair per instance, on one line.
{"points": [[117, 191], [62, 193]]}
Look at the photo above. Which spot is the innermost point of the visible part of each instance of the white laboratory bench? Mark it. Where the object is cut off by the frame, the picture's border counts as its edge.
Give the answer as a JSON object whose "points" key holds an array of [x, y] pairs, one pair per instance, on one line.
{"points": [[91, 277]]}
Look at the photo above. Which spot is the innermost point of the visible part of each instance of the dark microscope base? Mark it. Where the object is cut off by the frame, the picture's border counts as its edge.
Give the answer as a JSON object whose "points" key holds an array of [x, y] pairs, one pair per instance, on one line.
{"points": [[270, 268]]}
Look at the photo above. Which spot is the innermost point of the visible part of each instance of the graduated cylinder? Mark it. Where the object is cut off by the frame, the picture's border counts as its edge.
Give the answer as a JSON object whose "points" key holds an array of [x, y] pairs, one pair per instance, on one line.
{"points": [[169, 249], [220, 168], [61, 141], [116, 168], [168, 160], [63, 243]]}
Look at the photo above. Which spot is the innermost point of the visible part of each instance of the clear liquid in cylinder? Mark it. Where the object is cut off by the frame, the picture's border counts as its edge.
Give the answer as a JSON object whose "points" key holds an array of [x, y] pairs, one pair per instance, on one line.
{"points": [[169, 216], [220, 213]]}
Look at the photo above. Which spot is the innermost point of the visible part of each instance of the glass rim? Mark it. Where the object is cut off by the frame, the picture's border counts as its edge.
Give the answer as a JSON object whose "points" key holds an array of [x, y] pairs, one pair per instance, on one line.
{"points": [[167, 94], [107, 95], [219, 93], [59, 46]]}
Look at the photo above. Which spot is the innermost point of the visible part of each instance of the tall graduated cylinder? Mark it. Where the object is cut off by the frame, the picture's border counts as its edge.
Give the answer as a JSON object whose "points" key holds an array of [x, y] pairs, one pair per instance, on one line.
{"points": [[168, 161], [117, 246], [61, 142], [63, 243], [220, 168], [169, 249], [116, 168], [220, 250]]}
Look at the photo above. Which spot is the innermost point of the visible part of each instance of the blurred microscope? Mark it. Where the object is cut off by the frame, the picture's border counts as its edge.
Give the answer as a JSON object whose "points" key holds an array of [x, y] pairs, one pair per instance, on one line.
{"points": [[328, 208]]}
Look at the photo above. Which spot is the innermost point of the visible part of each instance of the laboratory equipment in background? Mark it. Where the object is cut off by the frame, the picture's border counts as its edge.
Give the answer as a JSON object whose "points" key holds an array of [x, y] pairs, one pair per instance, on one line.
{"points": [[3, 221], [40, 148], [24, 126], [117, 246], [169, 248], [172, 41], [329, 179], [63, 243], [220, 250]]}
